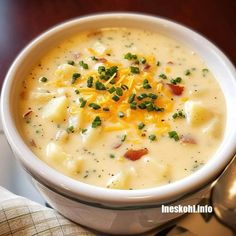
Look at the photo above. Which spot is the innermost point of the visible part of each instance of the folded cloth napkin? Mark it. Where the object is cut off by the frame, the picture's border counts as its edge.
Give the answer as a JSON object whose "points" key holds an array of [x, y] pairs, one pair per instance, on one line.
{"points": [[22, 217]]}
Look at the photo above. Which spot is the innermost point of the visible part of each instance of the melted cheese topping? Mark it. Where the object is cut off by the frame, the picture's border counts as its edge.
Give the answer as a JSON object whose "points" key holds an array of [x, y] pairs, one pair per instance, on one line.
{"points": [[122, 108]]}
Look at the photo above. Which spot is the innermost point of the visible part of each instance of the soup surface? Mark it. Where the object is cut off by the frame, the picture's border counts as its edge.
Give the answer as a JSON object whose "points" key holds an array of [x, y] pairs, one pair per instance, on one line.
{"points": [[122, 108]]}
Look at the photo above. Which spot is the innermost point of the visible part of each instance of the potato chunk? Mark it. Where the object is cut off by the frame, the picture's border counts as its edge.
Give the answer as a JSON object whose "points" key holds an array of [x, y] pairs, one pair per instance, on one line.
{"points": [[74, 165], [197, 114], [91, 135], [65, 71], [214, 128], [158, 170], [55, 109], [54, 153], [119, 181]]}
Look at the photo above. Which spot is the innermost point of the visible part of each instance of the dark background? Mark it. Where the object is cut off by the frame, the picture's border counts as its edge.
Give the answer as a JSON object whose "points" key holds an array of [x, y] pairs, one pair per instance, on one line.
{"points": [[22, 20]]}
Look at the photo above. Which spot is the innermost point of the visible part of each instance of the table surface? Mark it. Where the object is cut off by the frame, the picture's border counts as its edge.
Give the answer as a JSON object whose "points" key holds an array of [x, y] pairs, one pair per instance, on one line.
{"points": [[23, 20]]}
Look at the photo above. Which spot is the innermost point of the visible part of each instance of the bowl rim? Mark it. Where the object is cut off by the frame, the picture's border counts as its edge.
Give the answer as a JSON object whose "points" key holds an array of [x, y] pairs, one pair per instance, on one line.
{"points": [[80, 190]]}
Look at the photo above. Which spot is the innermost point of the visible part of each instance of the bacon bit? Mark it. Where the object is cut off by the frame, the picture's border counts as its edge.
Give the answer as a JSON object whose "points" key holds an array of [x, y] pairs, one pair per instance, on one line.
{"points": [[176, 89], [27, 114], [116, 145], [146, 67], [103, 60], [170, 63], [32, 143], [187, 139], [134, 155]]}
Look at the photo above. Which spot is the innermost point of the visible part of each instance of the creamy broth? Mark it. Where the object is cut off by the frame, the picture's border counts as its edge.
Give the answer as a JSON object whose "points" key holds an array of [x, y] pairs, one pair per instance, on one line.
{"points": [[122, 108]]}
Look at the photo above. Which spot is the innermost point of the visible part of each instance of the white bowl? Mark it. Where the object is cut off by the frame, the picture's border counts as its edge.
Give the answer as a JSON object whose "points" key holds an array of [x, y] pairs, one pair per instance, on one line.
{"points": [[107, 210]]}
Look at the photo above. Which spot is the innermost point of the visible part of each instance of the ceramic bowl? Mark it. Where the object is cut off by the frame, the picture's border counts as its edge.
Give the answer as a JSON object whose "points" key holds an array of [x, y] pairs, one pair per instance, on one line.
{"points": [[108, 210]]}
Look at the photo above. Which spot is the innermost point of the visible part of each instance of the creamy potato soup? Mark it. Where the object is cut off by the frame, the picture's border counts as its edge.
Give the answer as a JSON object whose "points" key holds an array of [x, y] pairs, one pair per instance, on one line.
{"points": [[122, 108]]}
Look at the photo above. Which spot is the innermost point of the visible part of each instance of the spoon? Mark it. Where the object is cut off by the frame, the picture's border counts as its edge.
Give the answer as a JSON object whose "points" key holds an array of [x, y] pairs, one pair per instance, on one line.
{"points": [[223, 196]]}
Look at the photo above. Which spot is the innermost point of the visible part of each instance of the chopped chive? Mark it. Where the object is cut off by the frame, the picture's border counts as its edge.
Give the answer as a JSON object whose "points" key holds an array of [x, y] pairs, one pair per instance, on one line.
{"points": [[119, 91], [163, 76], [112, 156], [90, 82], [174, 135], [146, 84], [121, 114], [134, 70], [111, 71], [83, 131], [101, 69], [70, 62], [152, 96], [131, 98], [82, 102], [158, 63], [133, 106], [152, 137], [94, 58], [124, 87], [106, 109], [84, 65], [99, 86], [96, 122], [176, 81], [142, 106], [149, 107], [112, 89], [77, 91], [75, 76], [130, 56], [95, 106], [70, 129], [123, 138], [159, 108], [187, 72], [142, 96], [178, 114], [115, 98], [43, 79], [143, 60], [141, 125], [205, 71]]}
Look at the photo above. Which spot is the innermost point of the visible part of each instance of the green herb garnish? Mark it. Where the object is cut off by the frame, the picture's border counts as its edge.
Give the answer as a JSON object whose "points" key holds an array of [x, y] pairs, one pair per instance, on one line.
{"points": [[130, 56], [131, 98], [121, 114], [134, 70], [75, 76], [96, 122], [141, 125], [70, 129], [119, 91], [152, 137], [43, 79], [82, 102], [174, 135], [99, 85], [84, 65], [90, 82], [176, 81], [70, 62], [95, 106], [115, 98], [163, 76]]}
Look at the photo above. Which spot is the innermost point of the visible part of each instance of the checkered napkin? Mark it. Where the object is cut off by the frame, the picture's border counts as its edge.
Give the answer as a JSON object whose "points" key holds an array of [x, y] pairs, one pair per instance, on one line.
{"points": [[22, 217]]}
